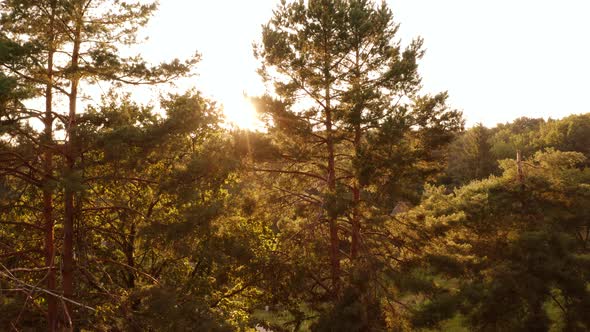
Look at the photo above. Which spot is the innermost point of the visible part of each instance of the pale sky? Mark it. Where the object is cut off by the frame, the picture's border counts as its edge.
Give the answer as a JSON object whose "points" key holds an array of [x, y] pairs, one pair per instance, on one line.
{"points": [[498, 59]]}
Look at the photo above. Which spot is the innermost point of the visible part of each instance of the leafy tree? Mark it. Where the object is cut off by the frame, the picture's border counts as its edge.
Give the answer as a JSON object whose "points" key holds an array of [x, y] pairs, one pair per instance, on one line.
{"points": [[470, 156], [569, 134], [520, 135], [475, 154]]}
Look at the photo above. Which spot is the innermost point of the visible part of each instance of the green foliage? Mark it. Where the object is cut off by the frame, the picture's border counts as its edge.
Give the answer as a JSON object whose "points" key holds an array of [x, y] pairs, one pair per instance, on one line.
{"points": [[512, 246], [355, 311], [148, 190], [476, 154], [334, 217], [568, 134], [470, 156], [181, 256], [351, 137]]}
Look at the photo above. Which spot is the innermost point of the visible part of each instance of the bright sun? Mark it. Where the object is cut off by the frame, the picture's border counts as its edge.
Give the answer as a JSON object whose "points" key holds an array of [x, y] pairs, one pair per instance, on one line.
{"points": [[241, 113]]}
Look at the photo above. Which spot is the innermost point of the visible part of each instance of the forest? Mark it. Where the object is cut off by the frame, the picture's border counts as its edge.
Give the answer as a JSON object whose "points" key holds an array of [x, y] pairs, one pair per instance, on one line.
{"points": [[365, 204]]}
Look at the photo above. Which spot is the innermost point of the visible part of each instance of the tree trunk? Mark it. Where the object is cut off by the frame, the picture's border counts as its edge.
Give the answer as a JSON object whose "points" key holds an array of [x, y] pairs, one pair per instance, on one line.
{"points": [[71, 155], [47, 187], [48, 219], [356, 197], [357, 109], [332, 220]]}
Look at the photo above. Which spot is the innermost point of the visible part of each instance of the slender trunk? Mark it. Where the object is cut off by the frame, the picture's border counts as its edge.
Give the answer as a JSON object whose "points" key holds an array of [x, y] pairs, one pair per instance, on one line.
{"points": [[356, 197], [71, 155], [47, 188], [332, 220], [48, 204], [333, 223], [356, 189]]}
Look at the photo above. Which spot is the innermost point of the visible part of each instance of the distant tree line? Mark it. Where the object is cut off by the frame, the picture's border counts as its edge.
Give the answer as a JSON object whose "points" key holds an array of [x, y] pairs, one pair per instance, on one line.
{"points": [[476, 153]]}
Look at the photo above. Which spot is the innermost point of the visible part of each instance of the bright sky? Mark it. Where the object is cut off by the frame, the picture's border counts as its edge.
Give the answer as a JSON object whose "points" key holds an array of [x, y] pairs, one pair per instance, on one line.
{"points": [[498, 59]]}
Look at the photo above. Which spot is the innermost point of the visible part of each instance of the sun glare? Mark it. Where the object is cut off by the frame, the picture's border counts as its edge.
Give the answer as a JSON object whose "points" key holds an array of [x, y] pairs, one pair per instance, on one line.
{"points": [[240, 112]]}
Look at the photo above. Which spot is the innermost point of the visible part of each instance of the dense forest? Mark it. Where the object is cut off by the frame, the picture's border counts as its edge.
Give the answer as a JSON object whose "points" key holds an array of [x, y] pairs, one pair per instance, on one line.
{"points": [[364, 205]]}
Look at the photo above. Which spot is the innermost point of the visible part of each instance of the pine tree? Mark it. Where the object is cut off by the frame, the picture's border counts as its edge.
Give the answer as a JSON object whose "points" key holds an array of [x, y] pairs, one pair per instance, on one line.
{"points": [[303, 42], [33, 69], [87, 35], [349, 124]]}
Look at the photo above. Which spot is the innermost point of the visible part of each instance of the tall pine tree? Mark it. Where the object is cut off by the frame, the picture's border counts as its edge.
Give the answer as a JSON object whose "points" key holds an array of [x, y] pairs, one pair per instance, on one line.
{"points": [[353, 136]]}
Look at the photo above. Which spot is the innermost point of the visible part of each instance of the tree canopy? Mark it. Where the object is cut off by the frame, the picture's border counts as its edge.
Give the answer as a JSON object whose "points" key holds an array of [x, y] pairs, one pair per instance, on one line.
{"points": [[363, 205]]}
